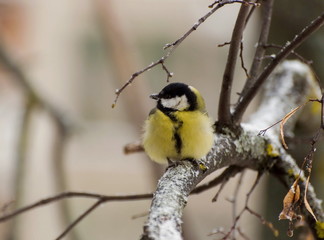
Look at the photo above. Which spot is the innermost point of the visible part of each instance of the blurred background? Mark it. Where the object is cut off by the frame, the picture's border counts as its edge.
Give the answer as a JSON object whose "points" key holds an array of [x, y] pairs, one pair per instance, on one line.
{"points": [[61, 62]]}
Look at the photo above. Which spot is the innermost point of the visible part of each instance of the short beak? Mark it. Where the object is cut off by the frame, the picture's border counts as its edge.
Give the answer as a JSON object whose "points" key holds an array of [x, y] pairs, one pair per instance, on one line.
{"points": [[155, 96]]}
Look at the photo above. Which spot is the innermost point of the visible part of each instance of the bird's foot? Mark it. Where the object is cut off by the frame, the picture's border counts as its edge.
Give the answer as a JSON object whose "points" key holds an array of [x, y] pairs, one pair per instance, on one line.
{"points": [[172, 164], [198, 164]]}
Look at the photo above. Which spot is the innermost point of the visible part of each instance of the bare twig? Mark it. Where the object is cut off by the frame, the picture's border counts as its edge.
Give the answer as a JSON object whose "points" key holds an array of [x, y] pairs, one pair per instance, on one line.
{"points": [[176, 43], [229, 172], [204, 18], [169, 74], [301, 58], [254, 6], [283, 53], [263, 131], [223, 44], [263, 221], [235, 198], [321, 101], [136, 74], [214, 3], [82, 216], [238, 217], [223, 183], [242, 60], [256, 182], [233, 1], [65, 195], [308, 163]]}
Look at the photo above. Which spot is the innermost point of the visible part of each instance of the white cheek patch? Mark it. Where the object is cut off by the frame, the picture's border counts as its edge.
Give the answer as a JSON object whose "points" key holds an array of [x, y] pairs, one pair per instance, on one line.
{"points": [[178, 103]]}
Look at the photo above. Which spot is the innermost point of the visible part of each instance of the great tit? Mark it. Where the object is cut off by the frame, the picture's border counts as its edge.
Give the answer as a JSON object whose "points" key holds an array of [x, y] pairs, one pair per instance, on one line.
{"points": [[178, 128]]}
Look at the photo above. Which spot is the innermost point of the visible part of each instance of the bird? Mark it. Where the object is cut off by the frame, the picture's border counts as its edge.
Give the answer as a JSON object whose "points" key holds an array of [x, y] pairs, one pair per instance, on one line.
{"points": [[179, 127]]}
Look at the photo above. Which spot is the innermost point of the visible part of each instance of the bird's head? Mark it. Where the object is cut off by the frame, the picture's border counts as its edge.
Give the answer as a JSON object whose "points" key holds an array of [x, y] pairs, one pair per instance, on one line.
{"points": [[179, 97]]}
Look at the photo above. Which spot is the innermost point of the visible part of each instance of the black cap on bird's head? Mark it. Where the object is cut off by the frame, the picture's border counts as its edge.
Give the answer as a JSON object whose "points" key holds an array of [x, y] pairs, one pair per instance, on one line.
{"points": [[176, 97]]}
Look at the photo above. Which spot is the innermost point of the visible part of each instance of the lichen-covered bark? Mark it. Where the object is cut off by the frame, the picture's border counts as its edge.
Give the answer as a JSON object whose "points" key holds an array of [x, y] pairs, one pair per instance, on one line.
{"points": [[288, 87]]}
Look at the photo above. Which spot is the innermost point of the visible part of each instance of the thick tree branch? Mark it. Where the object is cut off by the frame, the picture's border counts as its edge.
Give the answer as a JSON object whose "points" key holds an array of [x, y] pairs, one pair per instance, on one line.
{"points": [[244, 149], [224, 113]]}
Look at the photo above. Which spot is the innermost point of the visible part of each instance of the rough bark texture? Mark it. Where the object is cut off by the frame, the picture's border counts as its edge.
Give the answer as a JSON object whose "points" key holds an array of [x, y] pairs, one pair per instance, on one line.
{"points": [[288, 87]]}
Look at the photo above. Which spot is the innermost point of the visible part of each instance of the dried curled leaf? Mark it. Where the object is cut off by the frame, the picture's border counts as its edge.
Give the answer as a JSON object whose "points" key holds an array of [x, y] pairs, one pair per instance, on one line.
{"points": [[290, 199], [308, 207], [284, 120]]}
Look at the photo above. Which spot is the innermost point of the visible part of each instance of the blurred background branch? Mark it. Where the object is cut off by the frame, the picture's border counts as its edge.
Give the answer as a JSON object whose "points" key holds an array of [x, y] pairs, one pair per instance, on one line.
{"points": [[33, 99]]}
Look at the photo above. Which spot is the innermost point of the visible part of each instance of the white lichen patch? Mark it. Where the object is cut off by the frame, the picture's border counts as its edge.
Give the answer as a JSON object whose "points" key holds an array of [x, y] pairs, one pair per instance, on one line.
{"points": [[168, 232], [249, 142], [222, 147]]}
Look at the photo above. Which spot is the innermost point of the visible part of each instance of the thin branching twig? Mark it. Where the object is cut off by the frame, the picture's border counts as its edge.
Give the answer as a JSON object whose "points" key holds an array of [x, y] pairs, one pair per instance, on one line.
{"points": [[65, 195], [283, 53], [242, 60], [300, 57], [246, 208], [235, 198], [172, 46], [228, 173], [82, 216]]}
